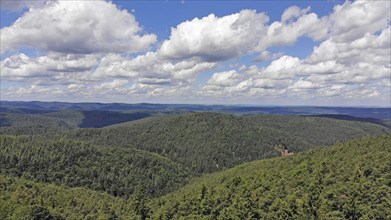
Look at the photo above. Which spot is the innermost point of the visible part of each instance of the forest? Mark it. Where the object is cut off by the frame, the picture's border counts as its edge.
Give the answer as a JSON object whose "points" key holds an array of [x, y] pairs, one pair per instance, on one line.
{"points": [[99, 164]]}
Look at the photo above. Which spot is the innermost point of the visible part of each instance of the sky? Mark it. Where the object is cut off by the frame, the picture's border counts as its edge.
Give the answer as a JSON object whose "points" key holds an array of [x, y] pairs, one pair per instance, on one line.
{"points": [[319, 53]]}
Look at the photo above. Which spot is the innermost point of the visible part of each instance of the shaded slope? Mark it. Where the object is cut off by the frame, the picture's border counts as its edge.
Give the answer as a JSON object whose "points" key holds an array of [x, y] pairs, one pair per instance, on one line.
{"points": [[96, 119], [347, 181], [20, 123]]}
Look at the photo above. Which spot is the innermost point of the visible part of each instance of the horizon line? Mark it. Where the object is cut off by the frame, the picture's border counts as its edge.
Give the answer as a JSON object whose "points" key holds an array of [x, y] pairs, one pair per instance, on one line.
{"points": [[228, 105]]}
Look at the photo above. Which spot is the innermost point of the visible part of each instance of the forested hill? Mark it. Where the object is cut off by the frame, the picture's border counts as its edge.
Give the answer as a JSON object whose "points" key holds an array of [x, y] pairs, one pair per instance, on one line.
{"points": [[347, 181], [68, 119], [118, 171], [208, 142], [32, 124]]}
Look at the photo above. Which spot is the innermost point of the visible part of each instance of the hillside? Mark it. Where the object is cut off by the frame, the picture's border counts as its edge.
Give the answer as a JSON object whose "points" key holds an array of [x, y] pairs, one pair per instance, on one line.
{"points": [[347, 181], [32, 124], [118, 171], [96, 119], [21, 123], [209, 142], [22, 199]]}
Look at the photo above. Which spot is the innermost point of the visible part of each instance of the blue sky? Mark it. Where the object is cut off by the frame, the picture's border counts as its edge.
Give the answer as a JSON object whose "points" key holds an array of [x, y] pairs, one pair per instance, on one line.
{"points": [[247, 52]]}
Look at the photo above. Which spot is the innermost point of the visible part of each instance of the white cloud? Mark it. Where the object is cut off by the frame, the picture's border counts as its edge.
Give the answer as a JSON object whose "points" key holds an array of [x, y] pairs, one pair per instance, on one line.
{"points": [[150, 68], [353, 20], [20, 66], [370, 48], [115, 84], [71, 27], [213, 39], [293, 12], [303, 84], [266, 55], [351, 61], [295, 23], [225, 79]]}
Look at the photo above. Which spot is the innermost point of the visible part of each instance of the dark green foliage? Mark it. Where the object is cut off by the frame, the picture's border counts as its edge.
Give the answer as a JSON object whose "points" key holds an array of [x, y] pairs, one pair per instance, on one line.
{"points": [[22, 199], [31, 124], [208, 142], [156, 155], [318, 131], [20, 120], [115, 170], [346, 181]]}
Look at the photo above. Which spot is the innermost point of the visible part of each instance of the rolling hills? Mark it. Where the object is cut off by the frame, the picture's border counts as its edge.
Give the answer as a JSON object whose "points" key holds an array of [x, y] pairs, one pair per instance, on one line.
{"points": [[209, 142], [65, 119], [347, 181], [139, 164], [32, 124], [361, 112]]}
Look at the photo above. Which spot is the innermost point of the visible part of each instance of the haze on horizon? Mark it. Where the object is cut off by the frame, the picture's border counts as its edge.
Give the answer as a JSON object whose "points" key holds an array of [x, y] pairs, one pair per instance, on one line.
{"points": [[258, 53]]}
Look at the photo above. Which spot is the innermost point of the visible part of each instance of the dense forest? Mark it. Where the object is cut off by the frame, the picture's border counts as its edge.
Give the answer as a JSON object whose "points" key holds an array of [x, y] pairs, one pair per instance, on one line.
{"points": [[350, 180], [208, 142], [173, 165], [118, 171], [347, 181]]}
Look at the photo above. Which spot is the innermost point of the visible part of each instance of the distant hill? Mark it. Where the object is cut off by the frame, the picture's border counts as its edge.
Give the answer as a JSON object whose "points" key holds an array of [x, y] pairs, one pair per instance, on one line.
{"points": [[376, 113], [209, 142], [96, 119], [67, 119], [352, 118], [346, 181], [11, 123]]}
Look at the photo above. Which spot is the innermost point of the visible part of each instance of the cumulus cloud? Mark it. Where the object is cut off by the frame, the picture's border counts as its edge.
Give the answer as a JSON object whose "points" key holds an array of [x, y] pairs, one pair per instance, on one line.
{"points": [[70, 27], [351, 59], [370, 48], [352, 62], [215, 38], [295, 23], [150, 68], [352, 20], [51, 66], [290, 76]]}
